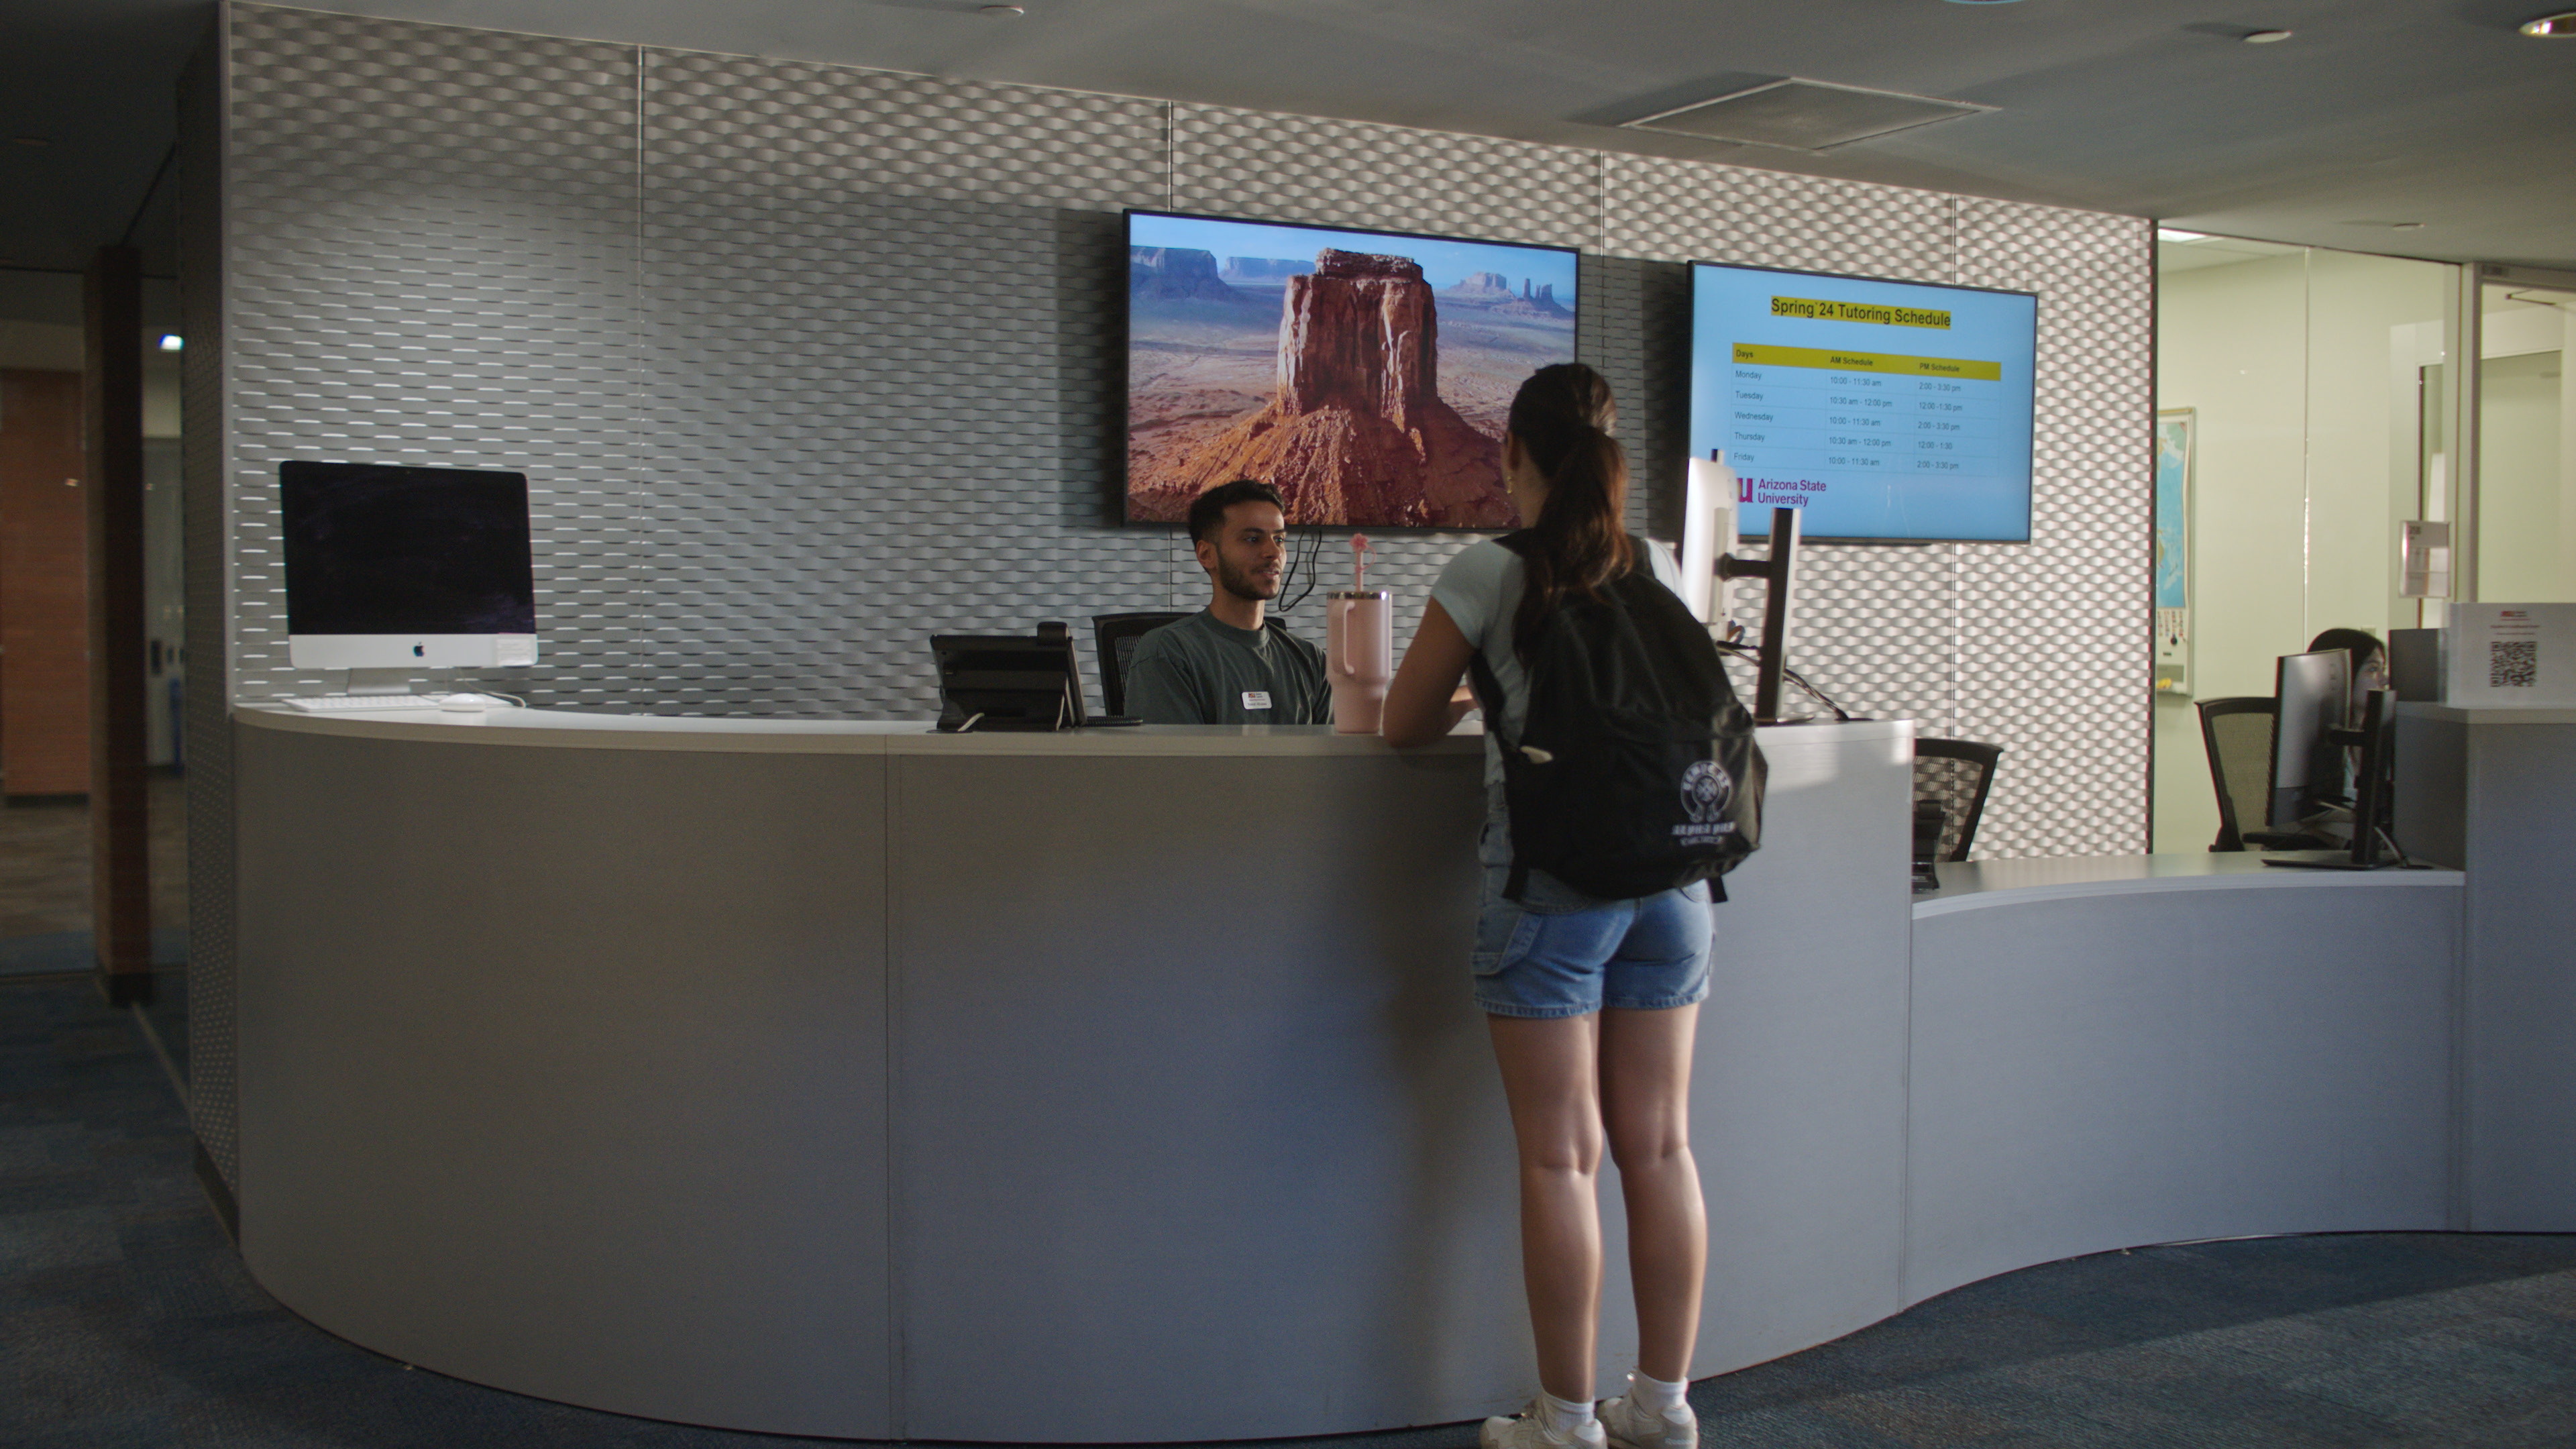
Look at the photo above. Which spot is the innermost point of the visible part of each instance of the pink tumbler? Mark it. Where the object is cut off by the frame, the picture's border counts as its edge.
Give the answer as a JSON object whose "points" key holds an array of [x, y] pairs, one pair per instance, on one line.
{"points": [[1360, 656]]}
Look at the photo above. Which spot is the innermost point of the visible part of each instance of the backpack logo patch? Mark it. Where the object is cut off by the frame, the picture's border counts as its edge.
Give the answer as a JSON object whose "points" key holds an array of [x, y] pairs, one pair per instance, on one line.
{"points": [[1706, 791]]}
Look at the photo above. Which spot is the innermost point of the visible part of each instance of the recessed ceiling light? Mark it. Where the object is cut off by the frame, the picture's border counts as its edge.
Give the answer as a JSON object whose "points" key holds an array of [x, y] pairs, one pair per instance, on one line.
{"points": [[1005, 10], [172, 342], [2171, 234], [2561, 26], [2266, 37]]}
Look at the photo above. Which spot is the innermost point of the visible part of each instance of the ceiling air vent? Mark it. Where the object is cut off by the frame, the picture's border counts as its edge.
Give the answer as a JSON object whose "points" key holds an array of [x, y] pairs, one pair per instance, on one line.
{"points": [[1804, 115]]}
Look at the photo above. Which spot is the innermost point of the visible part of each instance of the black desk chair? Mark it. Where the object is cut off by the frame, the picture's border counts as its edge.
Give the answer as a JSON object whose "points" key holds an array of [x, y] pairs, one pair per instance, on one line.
{"points": [[1956, 775], [1113, 637], [2237, 732]]}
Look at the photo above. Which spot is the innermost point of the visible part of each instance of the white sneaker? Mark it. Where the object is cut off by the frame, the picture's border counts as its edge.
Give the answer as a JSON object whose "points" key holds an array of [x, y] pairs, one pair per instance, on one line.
{"points": [[1528, 1430], [1631, 1426]]}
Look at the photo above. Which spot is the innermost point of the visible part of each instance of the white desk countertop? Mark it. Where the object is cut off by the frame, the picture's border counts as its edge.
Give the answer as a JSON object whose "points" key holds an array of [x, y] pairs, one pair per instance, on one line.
{"points": [[584, 729], [587, 729], [1978, 884]]}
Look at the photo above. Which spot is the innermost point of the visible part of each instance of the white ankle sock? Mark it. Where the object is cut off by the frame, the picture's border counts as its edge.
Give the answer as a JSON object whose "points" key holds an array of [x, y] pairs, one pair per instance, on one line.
{"points": [[1562, 1416], [1653, 1393]]}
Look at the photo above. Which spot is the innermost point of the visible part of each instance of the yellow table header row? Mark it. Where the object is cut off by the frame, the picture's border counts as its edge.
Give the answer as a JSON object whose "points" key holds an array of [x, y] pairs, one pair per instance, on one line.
{"points": [[1869, 362]]}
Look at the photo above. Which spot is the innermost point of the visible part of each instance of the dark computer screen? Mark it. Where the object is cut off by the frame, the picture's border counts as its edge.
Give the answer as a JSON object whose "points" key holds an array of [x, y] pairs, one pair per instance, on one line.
{"points": [[996, 682], [2313, 693], [373, 548]]}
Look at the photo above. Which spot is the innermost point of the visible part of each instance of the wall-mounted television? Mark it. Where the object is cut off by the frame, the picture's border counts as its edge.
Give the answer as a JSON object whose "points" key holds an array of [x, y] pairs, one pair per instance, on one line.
{"points": [[1364, 374], [1888, 411]]}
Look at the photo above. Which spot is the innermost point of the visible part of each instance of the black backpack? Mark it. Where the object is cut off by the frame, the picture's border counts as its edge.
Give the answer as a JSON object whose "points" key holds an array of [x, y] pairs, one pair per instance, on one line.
{"points": [[1636, 769]]}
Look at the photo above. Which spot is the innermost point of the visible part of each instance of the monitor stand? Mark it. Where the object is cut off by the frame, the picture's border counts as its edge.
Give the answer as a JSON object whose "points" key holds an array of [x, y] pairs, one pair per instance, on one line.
{"points": [[379, 681]]}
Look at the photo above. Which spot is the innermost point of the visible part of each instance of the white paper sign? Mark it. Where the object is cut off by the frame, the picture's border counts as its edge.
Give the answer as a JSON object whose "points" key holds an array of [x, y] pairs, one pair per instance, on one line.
{"points": [[2510, 656]]}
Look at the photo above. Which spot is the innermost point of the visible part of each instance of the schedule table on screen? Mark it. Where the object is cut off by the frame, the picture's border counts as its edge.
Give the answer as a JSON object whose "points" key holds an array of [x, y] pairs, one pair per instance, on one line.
{"points": [[1823, 411]]}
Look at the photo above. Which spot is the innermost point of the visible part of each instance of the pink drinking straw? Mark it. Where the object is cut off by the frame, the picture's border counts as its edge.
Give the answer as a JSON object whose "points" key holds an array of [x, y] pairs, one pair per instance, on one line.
{"points": [[1359, 562]]}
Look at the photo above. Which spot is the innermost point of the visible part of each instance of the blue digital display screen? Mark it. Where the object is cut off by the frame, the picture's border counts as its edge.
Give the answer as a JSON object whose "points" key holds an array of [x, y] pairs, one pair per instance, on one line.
{"points": [[1887, 411]]}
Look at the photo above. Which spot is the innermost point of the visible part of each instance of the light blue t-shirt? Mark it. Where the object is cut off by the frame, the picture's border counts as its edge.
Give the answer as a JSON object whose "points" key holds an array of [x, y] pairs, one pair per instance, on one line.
{"points": [[1480, 590]]}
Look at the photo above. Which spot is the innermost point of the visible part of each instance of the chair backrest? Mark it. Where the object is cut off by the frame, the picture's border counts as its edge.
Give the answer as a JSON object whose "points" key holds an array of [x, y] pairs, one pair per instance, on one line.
{"points": [[2237, 732], [1956, 774], [1113, 638]]}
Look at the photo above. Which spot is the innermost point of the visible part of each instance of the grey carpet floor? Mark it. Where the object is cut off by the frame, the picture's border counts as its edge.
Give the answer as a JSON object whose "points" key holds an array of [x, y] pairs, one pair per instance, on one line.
{"points": [[126, 1320]]}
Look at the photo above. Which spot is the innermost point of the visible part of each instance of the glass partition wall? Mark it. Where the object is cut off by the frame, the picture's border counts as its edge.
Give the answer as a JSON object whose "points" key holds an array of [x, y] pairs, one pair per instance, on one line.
{"points": [[2300, 402], [2526, 509]]}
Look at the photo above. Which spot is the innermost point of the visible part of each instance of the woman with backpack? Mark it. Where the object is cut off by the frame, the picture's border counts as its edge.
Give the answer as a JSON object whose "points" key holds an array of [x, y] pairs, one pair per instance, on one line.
{"points": [[1592, 1002]]}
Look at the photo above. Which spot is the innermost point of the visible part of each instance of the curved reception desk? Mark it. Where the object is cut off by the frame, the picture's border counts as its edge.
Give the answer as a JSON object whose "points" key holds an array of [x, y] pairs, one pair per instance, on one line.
{"points": [[844, 1079]]}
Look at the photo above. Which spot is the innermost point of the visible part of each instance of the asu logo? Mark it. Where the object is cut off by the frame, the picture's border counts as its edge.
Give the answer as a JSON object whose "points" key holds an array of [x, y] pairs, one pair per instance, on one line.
{"points": [[1706, 789]]}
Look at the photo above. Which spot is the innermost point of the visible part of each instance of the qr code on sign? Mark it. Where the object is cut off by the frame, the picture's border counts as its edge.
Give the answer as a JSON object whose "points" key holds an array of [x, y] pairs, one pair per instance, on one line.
{"points": [[2513, 663]]}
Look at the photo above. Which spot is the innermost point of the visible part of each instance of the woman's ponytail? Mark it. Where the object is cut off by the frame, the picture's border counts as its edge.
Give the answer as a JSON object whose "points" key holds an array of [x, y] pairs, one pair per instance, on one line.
{"points": [[1563, 416]]}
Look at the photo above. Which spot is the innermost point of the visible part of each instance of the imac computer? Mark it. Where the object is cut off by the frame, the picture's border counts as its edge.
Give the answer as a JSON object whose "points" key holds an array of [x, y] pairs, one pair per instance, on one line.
{"points": [[391, 570]]}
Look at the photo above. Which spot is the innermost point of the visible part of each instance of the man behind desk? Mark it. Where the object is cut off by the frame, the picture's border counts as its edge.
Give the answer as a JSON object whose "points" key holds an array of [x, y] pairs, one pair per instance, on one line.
{"points": [[1227, 664]]}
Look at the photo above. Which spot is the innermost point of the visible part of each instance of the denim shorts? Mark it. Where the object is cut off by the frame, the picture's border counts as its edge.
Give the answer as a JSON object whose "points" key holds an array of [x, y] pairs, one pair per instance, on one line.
{"points": [[1558, 952]]}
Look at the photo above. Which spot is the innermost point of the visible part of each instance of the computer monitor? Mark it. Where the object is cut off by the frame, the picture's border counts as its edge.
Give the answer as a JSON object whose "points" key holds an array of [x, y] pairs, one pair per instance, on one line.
{"points": [[2312, 694], [1708, 531], [401, 568], [2374, 782], [2373, 795], [1008, 682]]}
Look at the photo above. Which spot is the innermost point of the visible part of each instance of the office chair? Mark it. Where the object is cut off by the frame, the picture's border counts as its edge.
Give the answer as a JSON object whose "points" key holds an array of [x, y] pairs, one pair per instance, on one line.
{"points": [[2237, 732], [1955, 774], [1113, 638]]}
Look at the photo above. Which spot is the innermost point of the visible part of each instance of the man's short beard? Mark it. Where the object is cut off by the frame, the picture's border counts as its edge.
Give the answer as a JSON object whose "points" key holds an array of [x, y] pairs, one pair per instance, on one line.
{"points": [[1240, 584]]}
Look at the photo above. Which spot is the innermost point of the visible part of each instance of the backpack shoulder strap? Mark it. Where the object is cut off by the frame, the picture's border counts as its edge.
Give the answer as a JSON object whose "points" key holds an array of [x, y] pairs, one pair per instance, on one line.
{"points": [[1489, 695]]}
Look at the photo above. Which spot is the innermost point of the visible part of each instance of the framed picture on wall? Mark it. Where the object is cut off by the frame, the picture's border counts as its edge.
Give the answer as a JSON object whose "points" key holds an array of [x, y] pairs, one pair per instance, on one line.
{"points": [[2173, 551]]}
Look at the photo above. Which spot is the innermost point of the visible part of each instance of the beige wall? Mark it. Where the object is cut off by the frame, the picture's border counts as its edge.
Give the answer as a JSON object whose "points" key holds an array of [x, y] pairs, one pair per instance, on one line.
{"points": [[2286, 362], [41, 346]]}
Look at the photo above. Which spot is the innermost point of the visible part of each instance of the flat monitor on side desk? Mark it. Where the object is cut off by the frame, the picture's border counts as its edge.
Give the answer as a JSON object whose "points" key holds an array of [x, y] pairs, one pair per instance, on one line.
{"points": [[2373, 794], [2313, 693], [398, 569]]}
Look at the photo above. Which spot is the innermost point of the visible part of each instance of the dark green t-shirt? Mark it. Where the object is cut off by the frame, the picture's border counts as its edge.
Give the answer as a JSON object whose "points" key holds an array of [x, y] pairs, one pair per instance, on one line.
{"points": [[1203, 671]]}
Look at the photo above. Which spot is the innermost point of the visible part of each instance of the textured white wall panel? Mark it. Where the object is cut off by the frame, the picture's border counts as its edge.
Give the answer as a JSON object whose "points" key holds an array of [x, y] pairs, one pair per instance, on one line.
{"points": [[1387, 178], [433, 260], [2054, 635], [803, 363]]}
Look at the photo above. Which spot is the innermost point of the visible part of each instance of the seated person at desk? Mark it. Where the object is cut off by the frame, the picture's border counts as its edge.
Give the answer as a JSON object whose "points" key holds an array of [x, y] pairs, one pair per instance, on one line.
{"points": [[1226, 664]]}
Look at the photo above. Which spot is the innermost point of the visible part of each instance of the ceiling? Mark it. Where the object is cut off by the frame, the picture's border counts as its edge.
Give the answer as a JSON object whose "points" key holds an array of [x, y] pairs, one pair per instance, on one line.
{"points": [[2418, 127]]}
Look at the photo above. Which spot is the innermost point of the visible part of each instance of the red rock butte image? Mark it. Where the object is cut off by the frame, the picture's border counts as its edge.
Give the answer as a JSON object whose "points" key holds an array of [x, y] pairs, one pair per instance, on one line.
{"points": [[1353, 427]]}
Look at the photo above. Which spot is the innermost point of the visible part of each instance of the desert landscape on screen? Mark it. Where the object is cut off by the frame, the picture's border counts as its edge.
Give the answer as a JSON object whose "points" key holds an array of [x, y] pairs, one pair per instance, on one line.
{"points": [[1366, 377]]}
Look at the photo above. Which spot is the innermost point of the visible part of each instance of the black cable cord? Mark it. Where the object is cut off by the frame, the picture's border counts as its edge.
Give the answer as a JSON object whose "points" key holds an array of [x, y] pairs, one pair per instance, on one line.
{"points": [[1747, 651], [1311, 547]]}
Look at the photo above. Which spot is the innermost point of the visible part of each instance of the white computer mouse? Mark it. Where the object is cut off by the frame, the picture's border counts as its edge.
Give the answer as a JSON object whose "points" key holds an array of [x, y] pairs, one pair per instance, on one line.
{"points": [[464, 703]]}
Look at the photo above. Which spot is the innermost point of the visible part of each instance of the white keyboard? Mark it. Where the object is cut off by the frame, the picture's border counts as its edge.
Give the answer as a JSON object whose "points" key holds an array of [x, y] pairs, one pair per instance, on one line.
{"points": [[336, 703]]}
